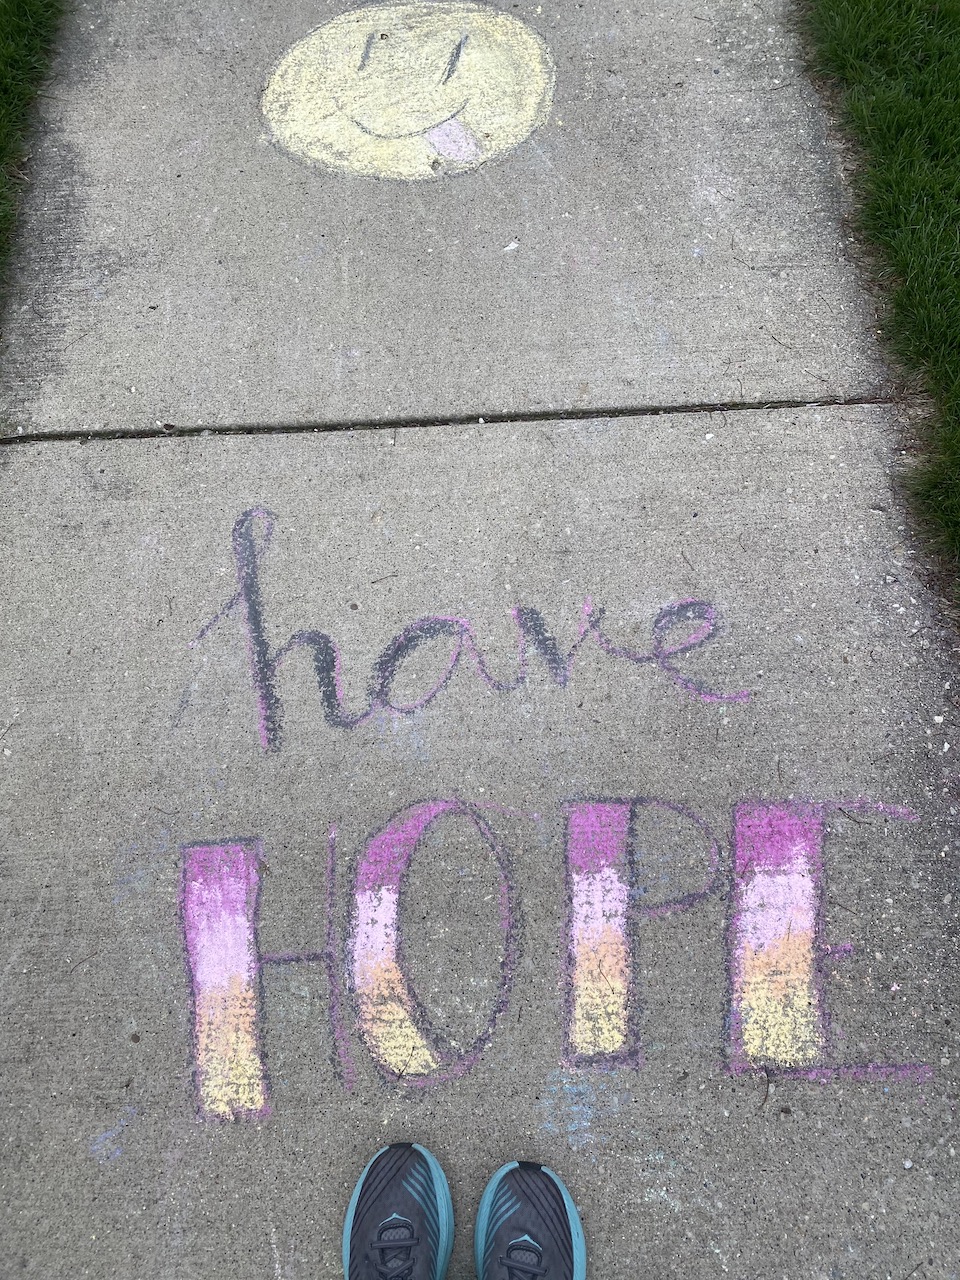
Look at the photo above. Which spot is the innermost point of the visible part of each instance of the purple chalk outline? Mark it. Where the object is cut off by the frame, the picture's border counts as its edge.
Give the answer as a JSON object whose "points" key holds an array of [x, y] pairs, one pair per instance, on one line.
{"points": [[249, 550], [736, 1064], [347, 1067], [384, 864]]}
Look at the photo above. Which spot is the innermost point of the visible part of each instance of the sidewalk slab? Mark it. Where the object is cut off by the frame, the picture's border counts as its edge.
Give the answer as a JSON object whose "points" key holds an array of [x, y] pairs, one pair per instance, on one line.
{"points": [[760, 676], [669, 236]]}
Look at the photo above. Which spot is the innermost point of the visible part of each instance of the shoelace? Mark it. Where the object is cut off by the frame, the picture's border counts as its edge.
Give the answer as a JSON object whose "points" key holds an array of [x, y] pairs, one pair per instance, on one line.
{"points": [[394, 1246], [405, 1274], [523, 1270]]}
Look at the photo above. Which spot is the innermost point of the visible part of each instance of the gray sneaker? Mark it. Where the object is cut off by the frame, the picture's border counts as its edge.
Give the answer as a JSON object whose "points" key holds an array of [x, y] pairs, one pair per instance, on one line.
{"points": [[399, 1224], [528, 1227]]}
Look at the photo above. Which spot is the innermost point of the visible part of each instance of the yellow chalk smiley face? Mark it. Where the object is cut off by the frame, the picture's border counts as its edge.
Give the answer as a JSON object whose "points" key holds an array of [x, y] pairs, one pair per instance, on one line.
{"points": [[410, 91]]}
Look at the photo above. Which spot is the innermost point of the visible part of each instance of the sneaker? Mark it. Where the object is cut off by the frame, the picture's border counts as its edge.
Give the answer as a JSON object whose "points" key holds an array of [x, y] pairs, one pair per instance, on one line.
{"points": [[528, 1227], [399, 1224]]}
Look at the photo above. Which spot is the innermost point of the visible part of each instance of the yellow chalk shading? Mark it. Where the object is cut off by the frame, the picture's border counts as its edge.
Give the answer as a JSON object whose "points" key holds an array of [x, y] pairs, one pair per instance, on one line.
{"points": [[779, 1003], [598, 1022], [410, 91], [386, 1020], [230, 1073]]}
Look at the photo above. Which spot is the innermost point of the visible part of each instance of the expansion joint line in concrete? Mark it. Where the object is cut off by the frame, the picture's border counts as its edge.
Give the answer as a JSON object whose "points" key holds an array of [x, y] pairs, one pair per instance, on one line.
{"points": [[171, 431]]}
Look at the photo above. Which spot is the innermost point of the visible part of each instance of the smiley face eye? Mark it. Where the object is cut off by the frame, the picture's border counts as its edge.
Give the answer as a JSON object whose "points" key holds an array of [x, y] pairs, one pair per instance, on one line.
{"points": [[367, 48], [450, 68], [454, 59]]}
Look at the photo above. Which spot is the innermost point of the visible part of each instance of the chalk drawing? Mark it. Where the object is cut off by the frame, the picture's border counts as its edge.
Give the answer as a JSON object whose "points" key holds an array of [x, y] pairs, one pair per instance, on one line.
{"points": [[599, 948], [678, 628], [778, 866], [410, 91], [777, 1019], [602, 894], [219, 902], [392, 1025]]}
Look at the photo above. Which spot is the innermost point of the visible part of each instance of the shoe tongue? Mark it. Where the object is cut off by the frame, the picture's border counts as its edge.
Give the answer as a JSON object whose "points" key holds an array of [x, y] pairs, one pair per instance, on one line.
{"points": [[520, 1254], [399, 1233]]}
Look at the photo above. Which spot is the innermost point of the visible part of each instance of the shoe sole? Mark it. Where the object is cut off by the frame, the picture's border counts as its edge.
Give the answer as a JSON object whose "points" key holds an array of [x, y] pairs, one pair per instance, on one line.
{"points": [[576, 1227], [445, 1209]]}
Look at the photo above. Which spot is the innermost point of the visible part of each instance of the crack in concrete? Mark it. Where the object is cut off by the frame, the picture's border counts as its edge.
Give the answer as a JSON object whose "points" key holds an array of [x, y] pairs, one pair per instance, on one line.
{"points": [[172, 432]]}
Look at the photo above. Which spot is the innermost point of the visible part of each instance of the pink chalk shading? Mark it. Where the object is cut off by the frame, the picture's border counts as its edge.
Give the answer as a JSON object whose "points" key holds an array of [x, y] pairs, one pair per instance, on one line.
{"points": [[388, 854], [599, 904], [778, 1017], [219, 901], [388, 1019], [375, 938], [454, 141], [777, 838], [600, 990], [597, 835], [773, 907]]}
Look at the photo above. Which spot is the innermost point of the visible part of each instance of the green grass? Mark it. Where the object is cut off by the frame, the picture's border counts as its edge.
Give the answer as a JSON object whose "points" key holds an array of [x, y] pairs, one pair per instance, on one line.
{"points": [[897, 63], [27, 28]]}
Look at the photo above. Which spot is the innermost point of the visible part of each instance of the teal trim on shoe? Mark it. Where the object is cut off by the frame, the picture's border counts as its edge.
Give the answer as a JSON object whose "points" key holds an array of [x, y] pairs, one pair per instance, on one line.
{"points": [[444, 1210], [483, 1213], [486, 1209], [576, 1227]]}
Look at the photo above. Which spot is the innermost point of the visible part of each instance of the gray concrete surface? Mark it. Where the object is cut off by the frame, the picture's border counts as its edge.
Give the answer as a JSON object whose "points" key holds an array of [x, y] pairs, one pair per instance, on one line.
{"points": [[226, 653], [670, 236], [125, 743]]}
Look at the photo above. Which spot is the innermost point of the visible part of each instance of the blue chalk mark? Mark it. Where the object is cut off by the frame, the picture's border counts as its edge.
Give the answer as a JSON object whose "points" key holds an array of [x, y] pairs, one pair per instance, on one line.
{"points": [[106, 1148], [582, 1109]]}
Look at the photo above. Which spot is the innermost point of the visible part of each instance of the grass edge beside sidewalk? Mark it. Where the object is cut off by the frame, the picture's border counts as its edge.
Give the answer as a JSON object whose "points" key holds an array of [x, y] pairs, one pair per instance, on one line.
{"points": [[897, 66], [27, 31]]}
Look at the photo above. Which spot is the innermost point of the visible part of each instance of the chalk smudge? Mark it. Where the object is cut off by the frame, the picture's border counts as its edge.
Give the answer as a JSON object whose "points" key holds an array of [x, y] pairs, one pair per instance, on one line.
{"points": [[586, 1110], [105, 1148]]}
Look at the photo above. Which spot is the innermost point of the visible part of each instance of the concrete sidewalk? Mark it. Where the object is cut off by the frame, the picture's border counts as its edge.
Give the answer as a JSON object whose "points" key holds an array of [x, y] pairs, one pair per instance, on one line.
{"points": [[669, 236], [576, 785]]}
